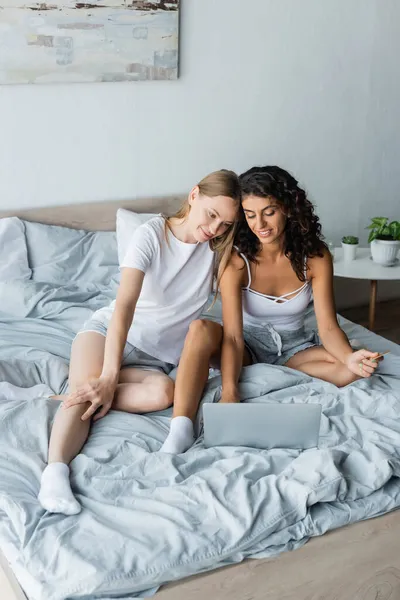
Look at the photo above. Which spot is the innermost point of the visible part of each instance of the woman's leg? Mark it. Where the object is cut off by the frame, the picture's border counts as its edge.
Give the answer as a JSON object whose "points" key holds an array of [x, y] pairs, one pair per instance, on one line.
{"points": [[202, 344], [317, 362], [138, 391], [141, 391], [69, 432]]}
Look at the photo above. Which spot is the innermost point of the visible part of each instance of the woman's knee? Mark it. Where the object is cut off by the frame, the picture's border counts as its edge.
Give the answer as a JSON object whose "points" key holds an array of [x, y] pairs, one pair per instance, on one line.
{"points": [[162, 391], [205, 334]]}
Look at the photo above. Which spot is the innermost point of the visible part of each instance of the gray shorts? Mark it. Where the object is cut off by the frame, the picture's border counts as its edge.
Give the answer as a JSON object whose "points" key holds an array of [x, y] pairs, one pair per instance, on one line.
{"points": [[266, 345], [132, 356]]}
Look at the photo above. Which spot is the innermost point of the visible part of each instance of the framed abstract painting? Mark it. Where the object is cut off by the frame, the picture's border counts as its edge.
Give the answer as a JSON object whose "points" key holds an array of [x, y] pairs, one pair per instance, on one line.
{"points": [[102, 40]]}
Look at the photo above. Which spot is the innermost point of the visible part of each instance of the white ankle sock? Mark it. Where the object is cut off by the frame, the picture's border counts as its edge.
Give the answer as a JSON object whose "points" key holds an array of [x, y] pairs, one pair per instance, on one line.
{"points": [[180, 437], [55, 490]]}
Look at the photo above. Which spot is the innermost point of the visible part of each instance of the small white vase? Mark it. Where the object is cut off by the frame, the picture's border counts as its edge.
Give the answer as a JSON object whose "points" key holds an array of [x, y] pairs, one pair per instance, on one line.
{"points": [[349, 251], [384, 252]]}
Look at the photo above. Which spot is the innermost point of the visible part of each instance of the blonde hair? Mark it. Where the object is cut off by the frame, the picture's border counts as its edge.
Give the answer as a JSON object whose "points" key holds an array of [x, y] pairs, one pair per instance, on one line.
{"points": [[218, 183]]}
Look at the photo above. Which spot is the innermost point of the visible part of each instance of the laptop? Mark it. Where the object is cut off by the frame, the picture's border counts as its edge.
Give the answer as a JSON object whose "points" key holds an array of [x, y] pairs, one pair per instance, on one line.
{"points": [[262, 425]]}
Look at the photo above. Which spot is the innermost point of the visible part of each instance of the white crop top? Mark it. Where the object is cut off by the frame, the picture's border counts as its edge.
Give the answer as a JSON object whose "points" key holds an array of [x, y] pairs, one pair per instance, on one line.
{"points": [[279, 311]]}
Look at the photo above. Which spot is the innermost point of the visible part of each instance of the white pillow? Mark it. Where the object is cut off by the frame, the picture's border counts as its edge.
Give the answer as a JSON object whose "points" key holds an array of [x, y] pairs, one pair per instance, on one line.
{"points": [[127, 222], [13, 252]]}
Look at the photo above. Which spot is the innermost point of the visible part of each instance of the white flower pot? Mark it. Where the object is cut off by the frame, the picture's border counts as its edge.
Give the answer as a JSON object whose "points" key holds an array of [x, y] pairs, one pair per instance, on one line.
{"points": [[349, 251], [384, 252]]}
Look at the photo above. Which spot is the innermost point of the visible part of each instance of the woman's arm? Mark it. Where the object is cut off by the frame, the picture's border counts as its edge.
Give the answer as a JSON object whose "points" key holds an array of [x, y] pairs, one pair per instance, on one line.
{"points": [[232, 341], [121, 320], [332, 336]]}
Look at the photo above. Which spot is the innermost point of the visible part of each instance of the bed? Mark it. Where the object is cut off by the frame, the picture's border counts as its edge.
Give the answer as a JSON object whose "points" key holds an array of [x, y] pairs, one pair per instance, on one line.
{"points": [[182, 527]]}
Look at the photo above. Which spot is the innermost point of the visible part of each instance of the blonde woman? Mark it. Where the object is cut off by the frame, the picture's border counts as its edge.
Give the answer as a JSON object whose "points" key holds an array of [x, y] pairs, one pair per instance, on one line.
{"points": [[124, 353]]}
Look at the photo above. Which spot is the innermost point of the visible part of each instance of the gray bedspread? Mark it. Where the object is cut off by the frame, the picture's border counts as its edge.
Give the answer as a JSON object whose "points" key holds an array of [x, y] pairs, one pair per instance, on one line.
{"points": [[148, 517]]}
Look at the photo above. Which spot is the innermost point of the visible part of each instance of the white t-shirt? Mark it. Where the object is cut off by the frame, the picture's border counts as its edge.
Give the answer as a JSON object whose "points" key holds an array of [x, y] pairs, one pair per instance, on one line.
{"points": [[176, 287]]}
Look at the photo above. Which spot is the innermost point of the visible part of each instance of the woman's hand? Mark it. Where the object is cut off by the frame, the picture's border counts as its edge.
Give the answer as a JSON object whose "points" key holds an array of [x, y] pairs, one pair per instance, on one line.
{"points": [[99, 392], [362, 362], [230, 398]]}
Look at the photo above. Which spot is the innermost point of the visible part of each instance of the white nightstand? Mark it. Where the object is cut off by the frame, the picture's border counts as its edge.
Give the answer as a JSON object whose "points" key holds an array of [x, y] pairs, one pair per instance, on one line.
{"points": [[363, 267]]}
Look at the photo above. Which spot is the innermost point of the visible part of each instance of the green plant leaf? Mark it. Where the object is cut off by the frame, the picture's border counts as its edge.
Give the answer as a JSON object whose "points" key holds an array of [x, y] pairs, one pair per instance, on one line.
{"points": [[394, 228], [381, 221], [378, 224], [372, 236], [350, 239]]}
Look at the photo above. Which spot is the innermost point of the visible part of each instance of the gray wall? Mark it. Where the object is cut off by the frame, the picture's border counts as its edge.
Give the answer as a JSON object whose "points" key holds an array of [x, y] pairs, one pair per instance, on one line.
{"points": [[311, 85]]}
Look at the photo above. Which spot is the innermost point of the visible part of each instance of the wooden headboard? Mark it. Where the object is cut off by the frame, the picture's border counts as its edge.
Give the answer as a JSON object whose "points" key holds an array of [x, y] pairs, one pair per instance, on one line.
{"points": [[97, 216]]}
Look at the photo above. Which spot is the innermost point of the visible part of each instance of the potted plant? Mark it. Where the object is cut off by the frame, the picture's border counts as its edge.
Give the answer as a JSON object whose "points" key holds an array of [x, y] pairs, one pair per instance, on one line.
{"points": [[384, 238], [349, 245]]}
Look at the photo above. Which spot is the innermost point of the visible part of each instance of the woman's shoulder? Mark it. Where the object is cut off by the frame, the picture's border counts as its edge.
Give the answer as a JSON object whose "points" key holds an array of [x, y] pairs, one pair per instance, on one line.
{"points": [[236, 266], [155, 223], [153, 228], [321, 262], [237, 260], [147, 236]]}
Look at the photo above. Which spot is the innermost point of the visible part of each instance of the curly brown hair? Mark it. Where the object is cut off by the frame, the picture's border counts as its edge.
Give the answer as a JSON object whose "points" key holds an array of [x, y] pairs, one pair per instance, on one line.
{"points": [[303, 238]]}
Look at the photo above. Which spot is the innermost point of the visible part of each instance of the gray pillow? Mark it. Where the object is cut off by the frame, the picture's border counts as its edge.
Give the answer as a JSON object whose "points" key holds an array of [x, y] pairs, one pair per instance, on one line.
{"points": [[13, 255], [61, 255]]}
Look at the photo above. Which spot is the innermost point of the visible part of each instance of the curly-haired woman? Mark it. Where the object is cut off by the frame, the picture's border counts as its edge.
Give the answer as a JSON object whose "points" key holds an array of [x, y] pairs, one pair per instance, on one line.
{"points": [[280, 263]]}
